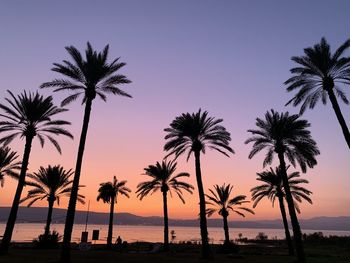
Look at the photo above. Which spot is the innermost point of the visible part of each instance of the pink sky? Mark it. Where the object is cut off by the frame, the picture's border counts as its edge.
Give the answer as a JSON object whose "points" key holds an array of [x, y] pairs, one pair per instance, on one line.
{"points": [[230, 59]]}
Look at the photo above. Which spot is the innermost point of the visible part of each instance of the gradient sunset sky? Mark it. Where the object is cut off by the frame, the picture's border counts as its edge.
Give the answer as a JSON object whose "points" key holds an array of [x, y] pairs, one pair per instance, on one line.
{"points": [[227, 57]]}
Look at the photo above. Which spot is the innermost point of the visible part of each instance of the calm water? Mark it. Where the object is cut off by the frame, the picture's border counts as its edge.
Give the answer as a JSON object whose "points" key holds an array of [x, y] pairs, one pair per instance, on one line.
{"points": [[26, 232]]}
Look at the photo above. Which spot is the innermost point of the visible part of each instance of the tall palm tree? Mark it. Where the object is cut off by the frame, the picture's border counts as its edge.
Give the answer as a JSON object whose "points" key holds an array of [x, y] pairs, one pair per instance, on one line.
{"points": [[220, 201], [50, 183], [89, 77], [163, 179], [8, 164], [27, 116], [108, 192], [193, 133], [272, 187], [317, 76], [287, 136]]}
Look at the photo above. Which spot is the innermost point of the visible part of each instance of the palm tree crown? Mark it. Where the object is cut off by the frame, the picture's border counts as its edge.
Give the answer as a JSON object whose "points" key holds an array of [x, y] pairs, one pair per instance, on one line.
{"points": [[194, 132], [50, 183], [221, 201], [90, 76], [31, 115], [286, 134], [318, 72], [163, 180], [272, 187], [8, 164], [109, 191]]}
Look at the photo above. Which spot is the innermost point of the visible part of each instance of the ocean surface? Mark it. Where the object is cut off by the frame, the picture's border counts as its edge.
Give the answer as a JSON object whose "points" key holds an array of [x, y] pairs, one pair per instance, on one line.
{"points": [[27, 232]]}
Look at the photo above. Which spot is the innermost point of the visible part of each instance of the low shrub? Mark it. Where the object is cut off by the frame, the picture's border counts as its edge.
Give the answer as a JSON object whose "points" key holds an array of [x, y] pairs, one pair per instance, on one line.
{"points": [[49, 241]]}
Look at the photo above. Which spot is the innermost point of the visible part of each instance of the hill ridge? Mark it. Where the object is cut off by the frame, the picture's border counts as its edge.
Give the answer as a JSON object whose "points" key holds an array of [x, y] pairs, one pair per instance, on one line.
{"points": [[38, 215]]}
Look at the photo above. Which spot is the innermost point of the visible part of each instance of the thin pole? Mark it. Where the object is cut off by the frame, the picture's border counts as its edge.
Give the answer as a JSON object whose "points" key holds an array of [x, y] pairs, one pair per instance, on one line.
{"points": [[87, 216]]}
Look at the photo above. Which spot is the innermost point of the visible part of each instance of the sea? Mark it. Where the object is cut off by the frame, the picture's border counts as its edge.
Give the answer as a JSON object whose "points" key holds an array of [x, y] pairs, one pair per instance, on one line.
{"points": [[26, 232]]}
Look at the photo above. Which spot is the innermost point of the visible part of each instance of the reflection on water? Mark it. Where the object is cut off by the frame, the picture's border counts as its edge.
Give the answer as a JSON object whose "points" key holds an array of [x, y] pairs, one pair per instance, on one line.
{"points": [[26, 232]]}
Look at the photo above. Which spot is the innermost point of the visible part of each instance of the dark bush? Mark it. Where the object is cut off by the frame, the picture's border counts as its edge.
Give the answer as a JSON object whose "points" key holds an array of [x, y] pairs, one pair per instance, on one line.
{"points": [[49, 241], [261, 236], [318, 238]]}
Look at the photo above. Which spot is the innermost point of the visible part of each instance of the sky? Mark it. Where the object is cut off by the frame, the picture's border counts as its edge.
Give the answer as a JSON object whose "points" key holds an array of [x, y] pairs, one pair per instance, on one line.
{"points": [[227, 57]]}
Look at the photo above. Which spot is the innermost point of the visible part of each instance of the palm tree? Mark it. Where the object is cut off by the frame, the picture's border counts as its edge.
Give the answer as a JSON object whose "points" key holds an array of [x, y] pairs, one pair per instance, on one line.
{"points": [[287, 136], [272, 187], [89, 77], [108, 192], [8, 164], [50, 183], [220, 201], [27, 116], [193, 133], [317, 77], [164, 180]]}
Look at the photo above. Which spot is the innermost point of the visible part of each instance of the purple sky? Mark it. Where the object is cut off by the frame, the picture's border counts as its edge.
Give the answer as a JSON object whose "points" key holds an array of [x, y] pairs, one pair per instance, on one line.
{"points": [[228, 57]]}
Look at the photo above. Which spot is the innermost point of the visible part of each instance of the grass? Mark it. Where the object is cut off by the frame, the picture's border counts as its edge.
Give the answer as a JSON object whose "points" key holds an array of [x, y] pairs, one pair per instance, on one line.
{"points": [[183, 254]]}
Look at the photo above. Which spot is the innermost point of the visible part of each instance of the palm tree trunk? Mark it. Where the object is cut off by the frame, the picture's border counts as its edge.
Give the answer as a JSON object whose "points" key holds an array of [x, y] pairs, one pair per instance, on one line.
{"points": [[227, 235], [339, 115], [293, 216], [68, 228], [5, 244], [49, 217], [285, 224], [166, 227], [110, 226], [206, 251]]}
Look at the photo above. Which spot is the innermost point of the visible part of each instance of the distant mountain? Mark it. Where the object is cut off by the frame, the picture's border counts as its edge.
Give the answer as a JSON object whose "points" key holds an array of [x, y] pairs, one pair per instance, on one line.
{"points": [[38, 215]]}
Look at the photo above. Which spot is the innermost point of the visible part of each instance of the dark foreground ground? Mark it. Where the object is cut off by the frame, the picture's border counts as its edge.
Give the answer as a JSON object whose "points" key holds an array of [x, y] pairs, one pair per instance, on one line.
{"points": [[263, 252]]}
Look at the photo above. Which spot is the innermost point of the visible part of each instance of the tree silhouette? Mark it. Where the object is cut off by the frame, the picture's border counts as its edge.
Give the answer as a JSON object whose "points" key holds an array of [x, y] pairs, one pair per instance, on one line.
{"points": [[50, 183], [8, 164], [89, 77], [317, 77], [193, 133], [164, 180], [287, 136], [272, 188], [29, 115], [220, 201], [108, 192]]}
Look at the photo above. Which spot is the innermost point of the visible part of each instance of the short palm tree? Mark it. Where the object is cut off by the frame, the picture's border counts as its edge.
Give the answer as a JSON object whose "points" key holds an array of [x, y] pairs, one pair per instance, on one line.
{"points": [[109, 192], [288, 137], [8, 164], [29, 115], [163, 179], [194, 133], [220, 201], [89, 77], [317, 76], [50, 183], [272, 188]]}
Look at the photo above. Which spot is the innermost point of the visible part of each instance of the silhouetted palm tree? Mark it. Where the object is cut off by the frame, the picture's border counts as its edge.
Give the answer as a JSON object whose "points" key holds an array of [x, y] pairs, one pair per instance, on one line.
{"points": [[108, 192], [89, 77], [27, 116], [272, 187], [221, 202], [193, 133], [50, 183], [164, 180], [316, 77], [287, 136], [8, 164]]}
